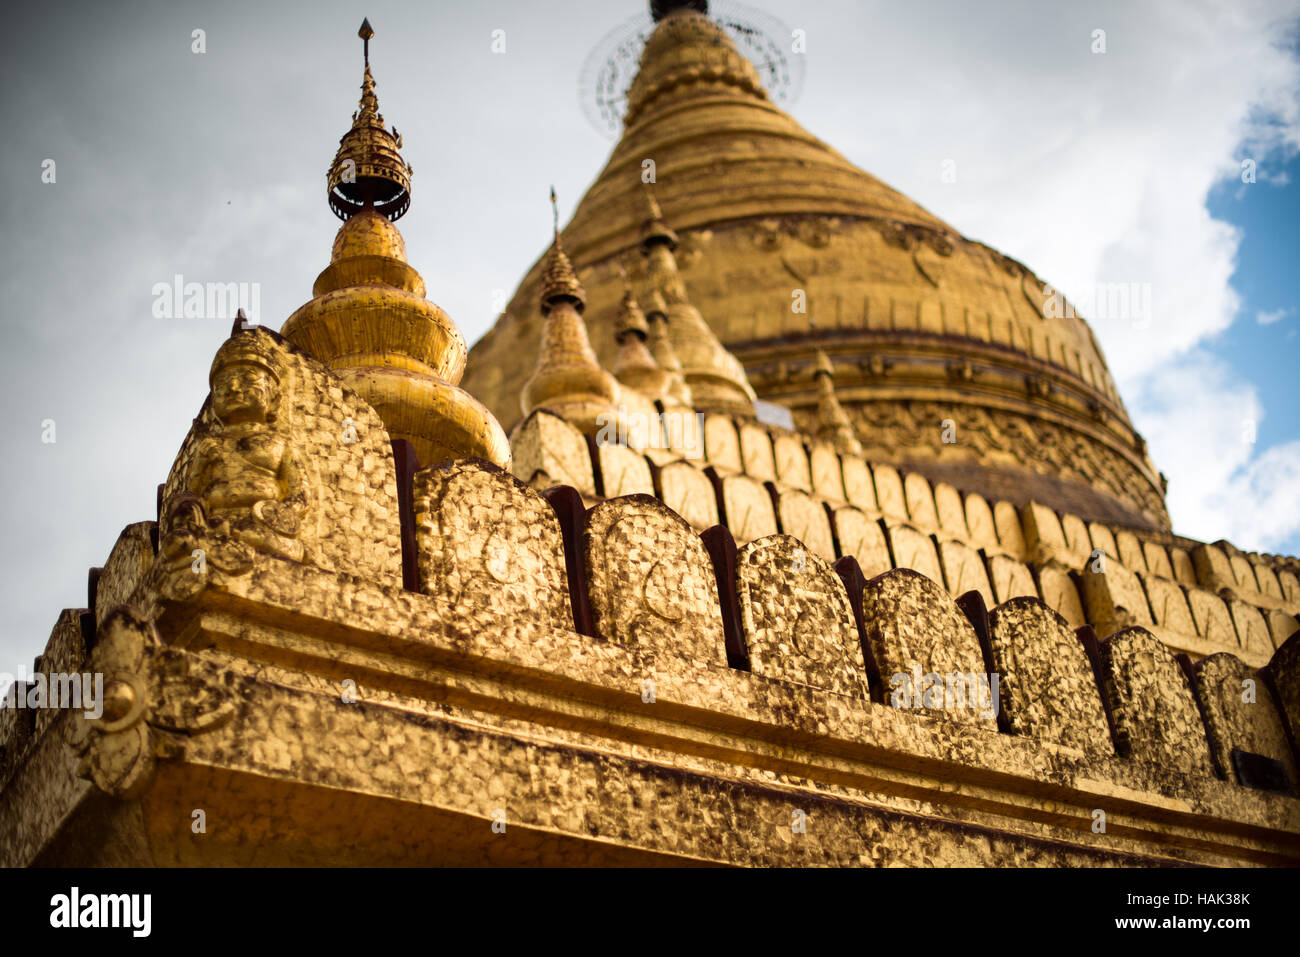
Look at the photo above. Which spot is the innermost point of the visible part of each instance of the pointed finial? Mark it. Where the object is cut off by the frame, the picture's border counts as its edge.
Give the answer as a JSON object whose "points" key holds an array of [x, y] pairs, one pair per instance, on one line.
{"points": [[365, 33], [661, 348], [568, 380], [368, 169], [655, 229], [559, 280], [630, 318], [655, 304], [833, 424]]}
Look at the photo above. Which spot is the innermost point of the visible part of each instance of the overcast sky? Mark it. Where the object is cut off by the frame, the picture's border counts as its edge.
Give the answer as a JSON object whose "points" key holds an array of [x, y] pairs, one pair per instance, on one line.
{"points": [[1089, 167]]}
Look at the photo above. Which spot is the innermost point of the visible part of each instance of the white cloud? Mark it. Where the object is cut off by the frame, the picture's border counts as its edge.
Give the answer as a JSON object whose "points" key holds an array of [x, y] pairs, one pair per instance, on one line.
{"points": [[1096, 169], [1270, 484], [1201, 421], [1272, 316]]}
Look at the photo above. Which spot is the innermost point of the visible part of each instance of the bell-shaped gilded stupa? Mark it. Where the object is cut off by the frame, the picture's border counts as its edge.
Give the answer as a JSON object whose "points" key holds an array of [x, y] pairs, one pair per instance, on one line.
{"points": [[833, 423], [923, 325], [715, 377], [635, 367], [661, 349], [568, 380], [369, 320]]}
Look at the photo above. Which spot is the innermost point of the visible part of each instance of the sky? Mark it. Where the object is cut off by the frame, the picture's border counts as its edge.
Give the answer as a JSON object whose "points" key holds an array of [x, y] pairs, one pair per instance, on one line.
{"points": [[1088, 166]]}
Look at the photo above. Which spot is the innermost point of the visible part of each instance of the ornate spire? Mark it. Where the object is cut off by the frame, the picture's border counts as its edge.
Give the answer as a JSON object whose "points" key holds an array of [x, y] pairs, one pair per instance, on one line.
{"points": [[656, 230], [559, 280], [832, 421], [369, 111], [661, 349], [631, 320], [368, 169], [635, 367], [369, 320], [568, 380], [716, 378], [688, 54]]}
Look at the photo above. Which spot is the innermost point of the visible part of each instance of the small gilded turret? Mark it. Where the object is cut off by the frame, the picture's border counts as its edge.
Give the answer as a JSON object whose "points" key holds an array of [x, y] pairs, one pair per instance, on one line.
{"points": [[832, 421], [568, 380], [661, 349], [716, 378], [635, 367], [369, 320]]}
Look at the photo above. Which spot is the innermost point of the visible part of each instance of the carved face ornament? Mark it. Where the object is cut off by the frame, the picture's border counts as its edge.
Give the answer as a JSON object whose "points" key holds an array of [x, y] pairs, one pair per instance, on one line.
{"points": [[243, 392]]}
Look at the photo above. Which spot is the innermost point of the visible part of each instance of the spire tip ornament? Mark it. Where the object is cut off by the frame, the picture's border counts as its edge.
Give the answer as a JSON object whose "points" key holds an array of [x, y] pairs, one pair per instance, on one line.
{"points": [[559, 280], [631, 319], [568, 379], [368, 170], [655, 229], [365, 33], [833, 423]]}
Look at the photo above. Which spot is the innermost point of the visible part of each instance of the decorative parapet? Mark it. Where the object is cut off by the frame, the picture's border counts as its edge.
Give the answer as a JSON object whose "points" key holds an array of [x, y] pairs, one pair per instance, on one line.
{"points": [[1155, 713], [656, 601], [650, 581], [915, 630], [546, 450], [797, 621], [1244, 724], [1048, 687], [485, 540], [1025, 551], [127, 566], [505, 576]]}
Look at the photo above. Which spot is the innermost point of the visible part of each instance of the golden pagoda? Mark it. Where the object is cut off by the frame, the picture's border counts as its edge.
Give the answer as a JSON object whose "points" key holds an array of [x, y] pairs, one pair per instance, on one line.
{"points": [[661, 348], [567, 379], [832, 421], [369, 320], [714, 376], [935, 617], [923, 324], [635, 367]]}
